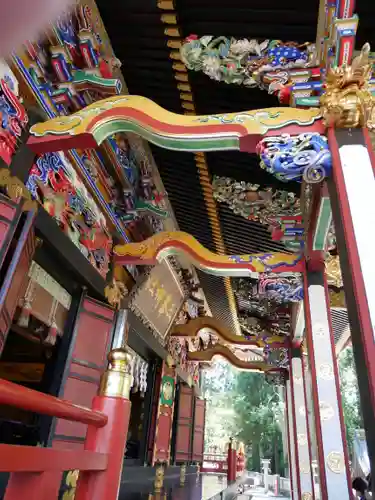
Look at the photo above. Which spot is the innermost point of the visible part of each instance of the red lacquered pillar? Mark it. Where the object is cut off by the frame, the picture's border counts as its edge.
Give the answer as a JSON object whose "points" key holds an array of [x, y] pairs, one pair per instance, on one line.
{"points": [[113, 400], [232, 462], [352, 194]]}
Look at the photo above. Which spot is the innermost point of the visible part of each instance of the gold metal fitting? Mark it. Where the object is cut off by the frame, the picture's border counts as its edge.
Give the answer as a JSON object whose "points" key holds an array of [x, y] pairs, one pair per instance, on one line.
{"points": [[116, 380], [182, 474], [159, 478]]}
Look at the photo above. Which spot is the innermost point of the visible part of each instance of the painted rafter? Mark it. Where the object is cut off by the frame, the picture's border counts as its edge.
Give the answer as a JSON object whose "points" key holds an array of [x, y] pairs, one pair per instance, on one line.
{"points": [[162, 245], [89, 127]]}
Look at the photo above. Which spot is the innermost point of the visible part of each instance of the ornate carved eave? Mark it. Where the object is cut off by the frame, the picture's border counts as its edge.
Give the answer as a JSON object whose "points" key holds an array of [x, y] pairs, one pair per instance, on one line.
{"points": [[220, 350], [194, 326]]}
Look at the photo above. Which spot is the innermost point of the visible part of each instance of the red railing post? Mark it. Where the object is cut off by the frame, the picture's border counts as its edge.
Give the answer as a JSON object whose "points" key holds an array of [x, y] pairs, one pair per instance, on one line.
{"points": [[34, 486], [232, 461], [113, 400]]}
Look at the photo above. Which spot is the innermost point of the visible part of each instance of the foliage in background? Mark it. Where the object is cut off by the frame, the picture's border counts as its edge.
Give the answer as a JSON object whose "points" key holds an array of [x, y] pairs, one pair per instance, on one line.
{"points": [[218, 385], [242, 405], [350, 396], [259, 413]]}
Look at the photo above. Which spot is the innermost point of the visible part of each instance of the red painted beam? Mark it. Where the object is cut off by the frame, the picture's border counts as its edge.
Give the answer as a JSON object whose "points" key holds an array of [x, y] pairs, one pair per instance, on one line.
{"points": [[33, 459], [30, 400]]}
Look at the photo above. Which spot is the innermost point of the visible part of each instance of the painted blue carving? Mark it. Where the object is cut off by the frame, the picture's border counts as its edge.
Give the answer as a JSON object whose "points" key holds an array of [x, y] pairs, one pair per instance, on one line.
{"points": [[304, 157], [281, 55], [67, 33], [281, 288]]}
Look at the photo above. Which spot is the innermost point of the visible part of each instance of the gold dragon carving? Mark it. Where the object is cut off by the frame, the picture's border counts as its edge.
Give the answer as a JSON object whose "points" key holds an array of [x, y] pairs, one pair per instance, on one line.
{"points": [[347, 101], [333, 271], [115, 292]]}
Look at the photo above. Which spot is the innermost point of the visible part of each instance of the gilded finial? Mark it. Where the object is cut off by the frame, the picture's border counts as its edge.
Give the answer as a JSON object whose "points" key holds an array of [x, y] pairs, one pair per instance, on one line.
{"points": [[116, 380], [182, 474], [159, 478], [170, 361]]}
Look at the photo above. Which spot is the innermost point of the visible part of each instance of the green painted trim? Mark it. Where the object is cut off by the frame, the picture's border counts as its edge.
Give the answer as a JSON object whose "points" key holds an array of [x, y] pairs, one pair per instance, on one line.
{"points": [[322, 225], [313, 102], [80, 76], [102, 132]]}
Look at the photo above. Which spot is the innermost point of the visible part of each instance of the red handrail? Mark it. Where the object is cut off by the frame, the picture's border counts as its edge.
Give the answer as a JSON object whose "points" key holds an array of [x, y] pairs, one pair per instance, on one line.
{"points": [[28, 399], [15, 458]]}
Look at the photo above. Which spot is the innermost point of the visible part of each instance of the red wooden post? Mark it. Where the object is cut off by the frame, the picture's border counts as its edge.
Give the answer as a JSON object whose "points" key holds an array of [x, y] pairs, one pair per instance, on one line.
{"points": [[232, 462], [113, 400], [353, 208], [234, 466], [34, 486]]}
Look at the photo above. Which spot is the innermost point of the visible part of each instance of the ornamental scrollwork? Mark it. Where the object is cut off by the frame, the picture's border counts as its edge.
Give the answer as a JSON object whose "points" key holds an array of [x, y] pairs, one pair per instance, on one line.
{"points": [[303, 157]]}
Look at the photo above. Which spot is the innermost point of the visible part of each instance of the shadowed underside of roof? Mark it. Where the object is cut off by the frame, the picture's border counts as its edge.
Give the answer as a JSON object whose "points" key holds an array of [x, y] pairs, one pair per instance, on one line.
{"points": [[139, 41]]}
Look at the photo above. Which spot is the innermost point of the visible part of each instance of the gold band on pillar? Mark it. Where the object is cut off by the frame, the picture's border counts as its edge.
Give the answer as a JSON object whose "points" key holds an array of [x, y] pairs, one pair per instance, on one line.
{"points": [[116, 380]]}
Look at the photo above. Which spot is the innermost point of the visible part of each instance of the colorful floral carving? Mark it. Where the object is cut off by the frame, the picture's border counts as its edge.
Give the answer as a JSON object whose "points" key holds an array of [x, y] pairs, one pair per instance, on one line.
{"points": [[244, 62], [253, 203], [304, 157], [54, 183]]}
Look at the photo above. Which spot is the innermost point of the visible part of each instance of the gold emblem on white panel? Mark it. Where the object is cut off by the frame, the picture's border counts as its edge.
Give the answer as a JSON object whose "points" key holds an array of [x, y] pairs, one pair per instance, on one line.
{"points": [[297, 379], [319, 330], [302, 439], [335, 462], [306, 496], [325, 371], [326, 411]]}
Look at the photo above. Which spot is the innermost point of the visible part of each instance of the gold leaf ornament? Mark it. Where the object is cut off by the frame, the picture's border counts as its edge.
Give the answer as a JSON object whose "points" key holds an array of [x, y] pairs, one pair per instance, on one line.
{"points": [[115, 292], [348, 101], [16, 190]]}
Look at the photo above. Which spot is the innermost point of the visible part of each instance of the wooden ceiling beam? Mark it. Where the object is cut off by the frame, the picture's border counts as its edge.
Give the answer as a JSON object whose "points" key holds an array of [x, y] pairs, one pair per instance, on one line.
{"points": [[187, 103]]}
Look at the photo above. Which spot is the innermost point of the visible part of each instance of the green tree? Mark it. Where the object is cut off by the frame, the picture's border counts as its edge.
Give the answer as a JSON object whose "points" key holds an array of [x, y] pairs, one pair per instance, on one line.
{"points": [[217, 387], [257, 405], [243, 405]]}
